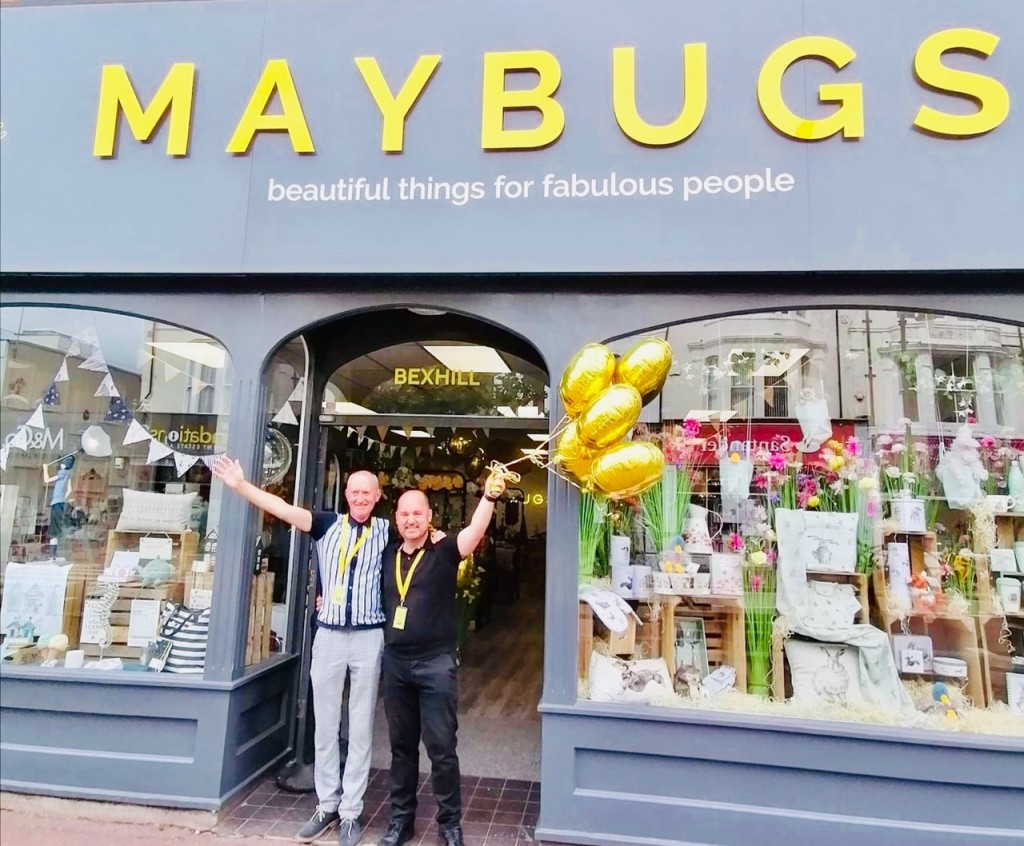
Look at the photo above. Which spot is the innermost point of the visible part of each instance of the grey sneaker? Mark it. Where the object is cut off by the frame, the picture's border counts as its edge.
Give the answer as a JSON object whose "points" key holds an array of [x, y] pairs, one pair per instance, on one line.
{"points": [[320, 823], [349, 833]]}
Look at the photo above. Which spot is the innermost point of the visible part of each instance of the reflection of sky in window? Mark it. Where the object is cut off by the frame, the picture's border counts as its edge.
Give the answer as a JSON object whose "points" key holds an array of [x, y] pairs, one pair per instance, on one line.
{"points": [[121, 337]]}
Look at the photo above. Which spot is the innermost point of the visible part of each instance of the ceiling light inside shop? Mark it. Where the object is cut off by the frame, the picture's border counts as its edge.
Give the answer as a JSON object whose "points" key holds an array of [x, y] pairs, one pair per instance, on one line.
{"points": [[205, 354], [469, 359], [351, 408], [415, 433]]}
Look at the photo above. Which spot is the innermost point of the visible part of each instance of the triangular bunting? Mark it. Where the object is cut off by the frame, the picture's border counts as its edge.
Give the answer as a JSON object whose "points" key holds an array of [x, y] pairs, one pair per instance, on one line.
{"points": [[170, 371], [408, 431], [210, 460], [349, 431], [36, 420], [136, 432], [299, 394], [198, 384], [107, 388], [183, 462], [430, 430], [62, 374], [74, 348], [95, 362], [118, 412], [430, 449], [382, 431], [487, 433], [286, 415], [88, 336], [361, 430], [20, 440], [157, 451], [143, 356], [417, 451], [52, 396], [4, 452], [360, 439]]}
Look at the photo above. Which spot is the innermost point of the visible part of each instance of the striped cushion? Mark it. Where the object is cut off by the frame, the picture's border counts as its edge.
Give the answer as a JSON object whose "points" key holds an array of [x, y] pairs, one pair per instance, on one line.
{"points": [[188, 632]]}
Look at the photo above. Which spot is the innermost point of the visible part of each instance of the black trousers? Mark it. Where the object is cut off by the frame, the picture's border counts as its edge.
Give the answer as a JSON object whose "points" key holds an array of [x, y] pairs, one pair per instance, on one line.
{"points": [[421, 700]]}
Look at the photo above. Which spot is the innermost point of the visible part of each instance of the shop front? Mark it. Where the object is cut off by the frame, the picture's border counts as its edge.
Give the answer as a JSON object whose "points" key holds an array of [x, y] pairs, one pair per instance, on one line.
{"points": [[340, 243]]}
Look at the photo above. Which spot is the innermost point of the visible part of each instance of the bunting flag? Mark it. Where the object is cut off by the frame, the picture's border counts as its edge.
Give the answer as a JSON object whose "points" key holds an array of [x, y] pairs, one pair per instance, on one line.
{"points": [[157, 451], [198, 384], [382, 431], [430, 450], [20, 440], [62, 374], [118, 411], [408, 431], [107, 387], [136, 432], [143, 356], [360, 439], [183, 462], [36, 420], [487, 433], [429, 430], [95, 362], [74, 348], [286, 415], [361, 430], [210, 460], [52, 396], [170, 371], [299, 394], [4, 452], [88, 336]]}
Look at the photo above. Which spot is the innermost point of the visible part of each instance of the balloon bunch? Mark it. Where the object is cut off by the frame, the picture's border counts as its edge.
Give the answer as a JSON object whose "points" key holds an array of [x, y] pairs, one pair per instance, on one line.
{"points": [[602, 399]]}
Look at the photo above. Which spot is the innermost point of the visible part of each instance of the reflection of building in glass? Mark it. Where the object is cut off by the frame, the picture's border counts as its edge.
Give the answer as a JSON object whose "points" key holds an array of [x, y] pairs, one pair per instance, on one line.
{"points": [[871, 365]]}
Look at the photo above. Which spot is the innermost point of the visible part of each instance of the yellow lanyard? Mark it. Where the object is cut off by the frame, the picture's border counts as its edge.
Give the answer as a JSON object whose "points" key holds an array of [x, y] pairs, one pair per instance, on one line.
{"points": [[403, 585], [344, 561]]}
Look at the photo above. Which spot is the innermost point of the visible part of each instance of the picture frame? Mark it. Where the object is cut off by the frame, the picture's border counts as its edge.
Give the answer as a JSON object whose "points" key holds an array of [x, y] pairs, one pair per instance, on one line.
{"points": [[1002, 561], [691, 646]]}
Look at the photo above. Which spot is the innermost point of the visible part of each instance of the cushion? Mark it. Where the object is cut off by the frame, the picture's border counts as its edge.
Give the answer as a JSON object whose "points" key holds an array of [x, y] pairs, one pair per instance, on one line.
{"points": [[153, 512], [824, 672], [614, 680], [830, 605]]}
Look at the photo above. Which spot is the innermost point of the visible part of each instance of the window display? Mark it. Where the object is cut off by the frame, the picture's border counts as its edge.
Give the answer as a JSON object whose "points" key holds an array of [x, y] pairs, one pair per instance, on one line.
{"points": [[837, 531], [107, 510]]}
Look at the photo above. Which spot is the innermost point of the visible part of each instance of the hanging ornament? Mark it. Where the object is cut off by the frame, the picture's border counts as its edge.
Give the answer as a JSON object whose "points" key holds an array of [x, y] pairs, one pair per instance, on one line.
{"points": [[157, 451], [52, 396], [96, 442], [36, 420], [136, 433], [118, 412]]}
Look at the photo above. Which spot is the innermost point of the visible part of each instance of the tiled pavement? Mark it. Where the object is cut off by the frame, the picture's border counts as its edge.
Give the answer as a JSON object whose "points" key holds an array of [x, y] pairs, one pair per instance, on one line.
{"points": [[496, 812]]}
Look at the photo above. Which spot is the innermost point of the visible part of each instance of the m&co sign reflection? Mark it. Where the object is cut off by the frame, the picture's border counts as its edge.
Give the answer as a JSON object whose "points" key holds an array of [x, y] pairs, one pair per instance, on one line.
{"points": [[395, 99]]}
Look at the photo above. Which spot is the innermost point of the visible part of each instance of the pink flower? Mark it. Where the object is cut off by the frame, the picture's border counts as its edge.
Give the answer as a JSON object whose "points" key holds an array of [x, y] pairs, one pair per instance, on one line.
{"points": [[755, 582], [771, 556], [872, 509], [735, 542], [853, 445], [691, 427], [988, 442], [777, 462]]}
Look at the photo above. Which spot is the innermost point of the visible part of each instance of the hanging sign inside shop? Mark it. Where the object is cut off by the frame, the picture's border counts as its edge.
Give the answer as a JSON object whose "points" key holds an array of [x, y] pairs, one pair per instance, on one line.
{"points": [[395, 98], [440, 376], [772, 437]]}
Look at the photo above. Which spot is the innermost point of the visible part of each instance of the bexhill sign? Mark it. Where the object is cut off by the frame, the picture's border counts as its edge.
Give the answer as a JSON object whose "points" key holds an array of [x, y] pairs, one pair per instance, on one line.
{"points": [[395, 99]]}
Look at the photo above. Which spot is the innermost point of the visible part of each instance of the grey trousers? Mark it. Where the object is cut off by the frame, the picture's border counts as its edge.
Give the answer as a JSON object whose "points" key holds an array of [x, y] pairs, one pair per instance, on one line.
{"points": [[335, 654]]}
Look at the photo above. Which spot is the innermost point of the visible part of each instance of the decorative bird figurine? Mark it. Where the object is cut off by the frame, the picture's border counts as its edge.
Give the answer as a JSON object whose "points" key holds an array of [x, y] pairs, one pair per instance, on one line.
{"points": [[940, 693]]}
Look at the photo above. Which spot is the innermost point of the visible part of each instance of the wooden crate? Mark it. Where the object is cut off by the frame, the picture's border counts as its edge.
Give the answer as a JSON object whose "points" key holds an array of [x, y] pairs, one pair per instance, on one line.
{"points": [[197, 581], [261, 603], [585, 642], [184, 548], [74, 598], [120, 615], [723, 628]]}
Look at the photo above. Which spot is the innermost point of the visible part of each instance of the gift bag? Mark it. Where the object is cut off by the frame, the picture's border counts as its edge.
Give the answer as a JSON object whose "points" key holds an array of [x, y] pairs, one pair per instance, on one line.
{"points": [[181, 647], [735, 472]]}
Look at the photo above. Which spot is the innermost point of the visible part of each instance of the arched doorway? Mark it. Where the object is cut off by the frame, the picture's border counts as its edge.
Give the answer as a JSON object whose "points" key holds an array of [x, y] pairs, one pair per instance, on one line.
{"points": [[427, 399]]}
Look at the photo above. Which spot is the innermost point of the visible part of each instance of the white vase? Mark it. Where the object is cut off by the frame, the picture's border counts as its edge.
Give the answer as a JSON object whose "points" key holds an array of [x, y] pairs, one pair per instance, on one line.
{"points": [[698, 538], [1015, 482]]}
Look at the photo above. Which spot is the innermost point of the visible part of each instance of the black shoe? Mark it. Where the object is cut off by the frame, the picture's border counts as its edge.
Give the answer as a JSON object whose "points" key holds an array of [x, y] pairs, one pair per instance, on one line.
{"points": [[398, 832], [451, 836]]}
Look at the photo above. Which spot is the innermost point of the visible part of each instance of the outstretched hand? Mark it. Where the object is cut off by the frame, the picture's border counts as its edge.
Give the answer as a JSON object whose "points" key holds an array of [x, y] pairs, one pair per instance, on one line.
{"points": [[494, 487], [228, 471]]}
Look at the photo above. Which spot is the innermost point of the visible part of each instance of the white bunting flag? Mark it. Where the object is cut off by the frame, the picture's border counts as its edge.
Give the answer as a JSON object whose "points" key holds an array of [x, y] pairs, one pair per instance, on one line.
{"points": [[136, 432], [107, 388], [198, 385], [20, 441], [36, 420], [4, 452], [487, 433], [408, 431], [430, 430], [143, 356], [361, 430], [382, 431], [360, 439], [95, 362], [170, 371], [183, 462], [74, 348], [299, 394], [286, 415], [430, 449], [157, 451], [62, 374], [210, 460]]}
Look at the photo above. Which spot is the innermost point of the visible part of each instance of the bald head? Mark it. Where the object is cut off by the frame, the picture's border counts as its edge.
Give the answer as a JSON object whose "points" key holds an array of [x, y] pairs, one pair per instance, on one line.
{"points": [[362, 492], [412, 516]]}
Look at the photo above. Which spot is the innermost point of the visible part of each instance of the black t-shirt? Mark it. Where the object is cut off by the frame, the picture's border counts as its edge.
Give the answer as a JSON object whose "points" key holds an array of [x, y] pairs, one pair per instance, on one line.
{"points": [[430, 622]]}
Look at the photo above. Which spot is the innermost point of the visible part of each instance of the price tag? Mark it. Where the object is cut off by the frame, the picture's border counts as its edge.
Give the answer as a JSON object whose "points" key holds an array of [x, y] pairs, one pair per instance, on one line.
{"points": [[400, 614]]}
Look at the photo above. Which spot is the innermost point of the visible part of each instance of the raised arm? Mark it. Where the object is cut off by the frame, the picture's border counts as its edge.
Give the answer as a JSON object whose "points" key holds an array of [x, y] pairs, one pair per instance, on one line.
{"points": [[230, 473], [470, 537]]}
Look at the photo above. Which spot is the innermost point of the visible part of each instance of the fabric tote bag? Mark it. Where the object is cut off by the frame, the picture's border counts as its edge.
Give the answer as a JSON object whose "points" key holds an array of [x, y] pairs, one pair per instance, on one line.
{"points": [[183, 636]]}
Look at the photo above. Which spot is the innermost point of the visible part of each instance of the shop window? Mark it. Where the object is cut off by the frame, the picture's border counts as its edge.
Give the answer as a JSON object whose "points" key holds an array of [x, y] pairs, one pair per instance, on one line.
{"points": [[815, 550], [108, 514]]}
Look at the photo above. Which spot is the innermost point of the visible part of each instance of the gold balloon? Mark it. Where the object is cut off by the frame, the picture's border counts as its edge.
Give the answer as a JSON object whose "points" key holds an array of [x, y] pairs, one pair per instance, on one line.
{"points": [[628, 469], [645, 366], [609, 417], [572, 455], [589, 373]]}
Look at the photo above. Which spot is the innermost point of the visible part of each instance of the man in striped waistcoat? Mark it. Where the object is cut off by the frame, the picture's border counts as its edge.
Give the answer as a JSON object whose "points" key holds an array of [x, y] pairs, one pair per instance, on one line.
{"points": [[349, 639]]}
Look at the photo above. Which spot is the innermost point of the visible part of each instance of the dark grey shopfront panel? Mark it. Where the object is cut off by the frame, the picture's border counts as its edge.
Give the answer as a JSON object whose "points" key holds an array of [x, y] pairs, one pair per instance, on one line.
{"points": [[897, 198]]}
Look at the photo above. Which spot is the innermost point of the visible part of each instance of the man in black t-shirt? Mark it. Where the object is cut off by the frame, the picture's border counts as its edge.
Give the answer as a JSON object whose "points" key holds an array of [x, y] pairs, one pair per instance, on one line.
{"points": [[419, 670]]}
